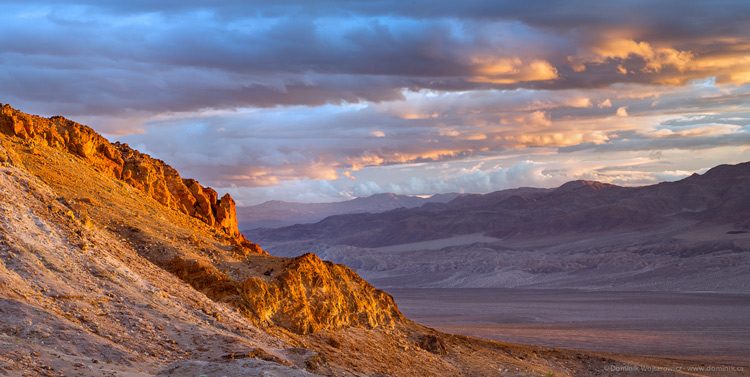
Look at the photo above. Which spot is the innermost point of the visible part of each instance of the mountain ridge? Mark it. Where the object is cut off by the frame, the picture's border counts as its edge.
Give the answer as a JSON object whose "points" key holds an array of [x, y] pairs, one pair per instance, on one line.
{"points": [[277, 213], [692, 234], [577, 207]]}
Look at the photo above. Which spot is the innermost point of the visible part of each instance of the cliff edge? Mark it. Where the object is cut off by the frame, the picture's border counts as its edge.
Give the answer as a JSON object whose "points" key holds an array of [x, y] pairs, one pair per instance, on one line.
{"points": [[302, 295], [152, 176]]}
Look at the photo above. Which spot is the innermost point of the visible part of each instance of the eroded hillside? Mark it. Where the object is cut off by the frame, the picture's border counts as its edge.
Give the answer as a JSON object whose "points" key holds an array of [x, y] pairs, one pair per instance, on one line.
{"points": [[112, 264]]}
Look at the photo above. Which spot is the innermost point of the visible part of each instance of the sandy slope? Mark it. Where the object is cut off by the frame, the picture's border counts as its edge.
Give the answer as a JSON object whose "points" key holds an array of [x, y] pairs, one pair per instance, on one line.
{"points": [[77, 299]]}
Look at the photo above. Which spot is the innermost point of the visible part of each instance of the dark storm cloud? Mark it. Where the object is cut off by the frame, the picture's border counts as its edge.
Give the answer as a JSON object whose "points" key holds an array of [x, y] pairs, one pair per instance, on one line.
{"points": [[158, 62], [266, 92], [117, 57]]}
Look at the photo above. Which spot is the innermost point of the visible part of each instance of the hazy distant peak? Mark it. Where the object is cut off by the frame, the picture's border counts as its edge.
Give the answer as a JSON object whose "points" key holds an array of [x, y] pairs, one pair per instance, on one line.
{"points": [[276, 213], [577, 207], [726, 171], [593, 185]]}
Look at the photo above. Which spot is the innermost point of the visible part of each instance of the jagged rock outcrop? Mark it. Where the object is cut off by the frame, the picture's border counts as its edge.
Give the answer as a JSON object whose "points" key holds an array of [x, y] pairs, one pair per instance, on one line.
{"points": [[309, 295], [303, 294], [152, 176]]}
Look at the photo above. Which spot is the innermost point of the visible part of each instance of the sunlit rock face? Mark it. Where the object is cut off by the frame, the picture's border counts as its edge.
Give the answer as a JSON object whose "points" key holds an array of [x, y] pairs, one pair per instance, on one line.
{"points": [[309, 295], [303, 295], [152, 176]]}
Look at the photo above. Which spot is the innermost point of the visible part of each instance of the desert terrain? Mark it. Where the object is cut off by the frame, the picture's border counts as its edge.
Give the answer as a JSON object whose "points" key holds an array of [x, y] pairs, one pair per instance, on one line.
{"points": [[362, 188], [656, 271], [114, 265], [708, 327], [689, 235]]}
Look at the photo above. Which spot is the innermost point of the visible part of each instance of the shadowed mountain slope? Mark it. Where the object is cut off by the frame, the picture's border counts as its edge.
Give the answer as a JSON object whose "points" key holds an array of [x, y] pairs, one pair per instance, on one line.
{"points": [[689, 235], [721, 196], [276, 214]]}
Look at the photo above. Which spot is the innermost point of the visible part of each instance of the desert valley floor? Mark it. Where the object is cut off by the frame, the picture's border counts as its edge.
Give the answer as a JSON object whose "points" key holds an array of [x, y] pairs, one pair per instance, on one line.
{"points": [[712, 328]]}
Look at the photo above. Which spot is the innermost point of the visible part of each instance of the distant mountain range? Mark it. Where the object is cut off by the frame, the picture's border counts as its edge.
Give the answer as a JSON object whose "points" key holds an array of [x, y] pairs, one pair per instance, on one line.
{"points": [[689, 234], [722, 195], [276, 214]]}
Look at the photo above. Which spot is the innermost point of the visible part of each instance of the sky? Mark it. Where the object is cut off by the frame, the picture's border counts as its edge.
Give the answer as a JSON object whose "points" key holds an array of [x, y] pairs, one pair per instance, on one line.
{"points": [[319, 101]]}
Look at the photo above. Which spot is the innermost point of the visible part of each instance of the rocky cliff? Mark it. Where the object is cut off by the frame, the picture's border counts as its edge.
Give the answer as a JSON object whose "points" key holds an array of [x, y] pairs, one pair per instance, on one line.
{"points": [[308, 295], [303, 295], [152, 176]]}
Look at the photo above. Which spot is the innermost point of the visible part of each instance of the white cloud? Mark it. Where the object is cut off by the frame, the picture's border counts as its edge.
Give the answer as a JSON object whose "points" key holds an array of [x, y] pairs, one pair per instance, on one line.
{"points": [[470, 180], [303, 191], [582, 102]]}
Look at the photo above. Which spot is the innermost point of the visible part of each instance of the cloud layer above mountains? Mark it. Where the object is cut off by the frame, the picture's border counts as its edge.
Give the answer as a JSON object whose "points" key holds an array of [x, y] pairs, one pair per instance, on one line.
{"points": [[327, 100]]}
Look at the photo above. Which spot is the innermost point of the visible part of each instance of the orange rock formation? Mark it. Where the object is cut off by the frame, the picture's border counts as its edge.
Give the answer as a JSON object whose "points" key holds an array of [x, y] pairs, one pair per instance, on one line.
{"points": [[303, 295], [309, 295], [150, 175]]}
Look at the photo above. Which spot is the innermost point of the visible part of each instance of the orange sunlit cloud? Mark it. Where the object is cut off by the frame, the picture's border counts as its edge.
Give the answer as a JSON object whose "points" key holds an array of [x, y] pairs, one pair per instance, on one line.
{"points": [[728, 62], [620, 49], [511, 70]]}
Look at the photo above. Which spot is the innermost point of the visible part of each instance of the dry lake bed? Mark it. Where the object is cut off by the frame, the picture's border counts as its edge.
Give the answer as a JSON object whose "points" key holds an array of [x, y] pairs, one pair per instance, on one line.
{"points": [[707, 327]]}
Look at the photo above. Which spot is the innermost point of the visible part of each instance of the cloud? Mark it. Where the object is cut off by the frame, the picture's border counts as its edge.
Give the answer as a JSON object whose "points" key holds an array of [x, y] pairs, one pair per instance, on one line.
{"points": [[699, 131], [524, 173], [689, 139], [512, 70], [137, 61], [303, 191], [641, 61], [582, 102], [654, 58], [282, 94], [527, 173], [536, 118], [266, 147], [673, 175]]}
